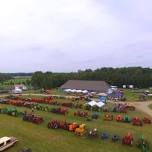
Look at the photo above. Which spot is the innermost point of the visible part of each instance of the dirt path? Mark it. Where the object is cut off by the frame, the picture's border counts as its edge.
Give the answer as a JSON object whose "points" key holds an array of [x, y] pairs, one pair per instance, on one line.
{"points": [[143, 106]]}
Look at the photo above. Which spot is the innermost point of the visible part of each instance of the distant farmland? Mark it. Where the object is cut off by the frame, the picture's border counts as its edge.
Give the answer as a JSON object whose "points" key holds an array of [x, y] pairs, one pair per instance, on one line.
{"points": [[18, 79], [15, 80]]}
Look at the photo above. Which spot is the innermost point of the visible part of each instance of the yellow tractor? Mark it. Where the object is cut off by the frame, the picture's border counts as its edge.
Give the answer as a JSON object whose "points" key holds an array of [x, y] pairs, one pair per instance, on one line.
{"points": [[81, 130]]}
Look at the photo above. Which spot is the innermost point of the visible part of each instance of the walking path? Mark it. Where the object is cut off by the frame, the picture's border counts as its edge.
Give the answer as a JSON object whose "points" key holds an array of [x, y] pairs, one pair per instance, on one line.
{"points": [[143, 106]]}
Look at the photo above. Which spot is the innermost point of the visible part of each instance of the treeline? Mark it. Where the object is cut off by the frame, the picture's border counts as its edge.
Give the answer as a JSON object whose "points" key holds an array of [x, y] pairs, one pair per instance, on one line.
{"points": [[4, 77], [137, 76], [21, 74]]}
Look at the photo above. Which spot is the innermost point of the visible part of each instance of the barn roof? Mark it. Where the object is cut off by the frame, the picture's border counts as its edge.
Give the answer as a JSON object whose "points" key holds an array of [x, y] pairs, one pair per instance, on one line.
{"points": [[98, 86]]}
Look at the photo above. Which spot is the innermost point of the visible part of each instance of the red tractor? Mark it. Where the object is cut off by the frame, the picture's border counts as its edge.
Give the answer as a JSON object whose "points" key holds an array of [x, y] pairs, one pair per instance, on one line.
{"points": [[108, 117], [33, 118], [37, 120], [128, 139], [119, 118], [136, 121], [146, 120], [54, 124], [81, 114], [61, 111], [16, 102], [64, 125]]}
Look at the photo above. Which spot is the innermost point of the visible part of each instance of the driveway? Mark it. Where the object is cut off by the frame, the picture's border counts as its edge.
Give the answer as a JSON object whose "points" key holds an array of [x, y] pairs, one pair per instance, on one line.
{"points": [[143, 106]]}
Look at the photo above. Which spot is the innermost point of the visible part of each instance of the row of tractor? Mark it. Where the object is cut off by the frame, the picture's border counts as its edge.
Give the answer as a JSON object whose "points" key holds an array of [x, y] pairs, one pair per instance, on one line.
{"points": [[83, 114], [62, 110], [30, 117], [36, 106], [82, 130], [117, 107], [30, 104], [135, 120], [47, 99]]}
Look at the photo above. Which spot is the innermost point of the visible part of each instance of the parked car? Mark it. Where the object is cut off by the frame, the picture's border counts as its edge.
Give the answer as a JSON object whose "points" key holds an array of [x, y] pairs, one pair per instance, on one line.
{"points": [[7, 142]]}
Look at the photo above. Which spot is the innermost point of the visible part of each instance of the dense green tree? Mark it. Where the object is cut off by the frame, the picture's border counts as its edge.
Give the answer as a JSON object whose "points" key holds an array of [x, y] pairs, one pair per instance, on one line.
{"points": [[4, 77], [138, 76]]}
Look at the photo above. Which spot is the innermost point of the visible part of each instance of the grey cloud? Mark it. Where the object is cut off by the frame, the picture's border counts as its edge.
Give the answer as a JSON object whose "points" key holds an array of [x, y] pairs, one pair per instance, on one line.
{"points": [[67, 35]]}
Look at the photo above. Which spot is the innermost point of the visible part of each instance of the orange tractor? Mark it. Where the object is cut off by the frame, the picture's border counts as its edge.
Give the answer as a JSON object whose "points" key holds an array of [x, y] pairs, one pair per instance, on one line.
{"points": [[119, 118], [108, 117], [73, 126]]}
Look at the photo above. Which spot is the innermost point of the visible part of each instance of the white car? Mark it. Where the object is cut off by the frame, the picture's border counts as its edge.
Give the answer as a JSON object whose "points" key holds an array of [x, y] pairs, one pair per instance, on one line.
{"points": [[6, 142]]}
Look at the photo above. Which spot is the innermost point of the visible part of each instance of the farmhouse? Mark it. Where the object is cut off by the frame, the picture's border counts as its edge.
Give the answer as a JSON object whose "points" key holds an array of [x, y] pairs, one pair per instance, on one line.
{"points": [[93, 86], [21, 86]]}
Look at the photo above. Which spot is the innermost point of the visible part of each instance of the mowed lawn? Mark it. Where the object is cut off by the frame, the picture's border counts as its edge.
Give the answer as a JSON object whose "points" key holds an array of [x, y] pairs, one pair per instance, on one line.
{"points": [[41, 139], [150, 106]]}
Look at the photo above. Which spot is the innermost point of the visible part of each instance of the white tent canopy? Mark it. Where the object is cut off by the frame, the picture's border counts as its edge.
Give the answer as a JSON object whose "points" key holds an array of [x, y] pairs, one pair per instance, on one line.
{"points": [[102, 94], [94, 103], [76, 91], [67, 90], [79, 91], [84, 91], [100, 104]]}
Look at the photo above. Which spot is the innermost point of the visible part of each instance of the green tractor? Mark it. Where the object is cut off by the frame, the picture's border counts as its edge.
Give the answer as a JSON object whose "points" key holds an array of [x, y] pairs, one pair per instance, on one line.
{"points": [[45, 108], [143, 144], [127, 119], [10, 111], [41, 107]]}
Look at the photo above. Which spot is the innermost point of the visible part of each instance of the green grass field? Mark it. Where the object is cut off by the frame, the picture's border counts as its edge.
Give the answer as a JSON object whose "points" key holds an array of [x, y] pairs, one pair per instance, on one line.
{"points": [[150, 106], [131, 96], [15, 80], [41, 139]]}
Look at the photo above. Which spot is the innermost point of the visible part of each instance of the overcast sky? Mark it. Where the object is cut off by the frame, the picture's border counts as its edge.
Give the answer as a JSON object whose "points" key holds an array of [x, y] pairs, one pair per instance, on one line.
{"points": [[67, 35]]}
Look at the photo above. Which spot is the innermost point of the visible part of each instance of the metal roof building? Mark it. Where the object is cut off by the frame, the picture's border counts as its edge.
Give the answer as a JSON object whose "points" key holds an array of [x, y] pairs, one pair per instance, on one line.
{"points": [[95, 86]]}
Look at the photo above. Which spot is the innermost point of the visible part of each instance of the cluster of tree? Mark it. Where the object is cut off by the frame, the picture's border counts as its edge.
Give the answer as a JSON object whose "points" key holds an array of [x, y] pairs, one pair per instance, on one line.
{"points": [[4, 77], [137, 76], [50, 80]]}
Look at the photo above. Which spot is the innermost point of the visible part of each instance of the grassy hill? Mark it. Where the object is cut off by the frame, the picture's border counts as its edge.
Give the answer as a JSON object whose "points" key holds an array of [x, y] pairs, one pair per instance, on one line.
{"points": [[41, 139]]}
